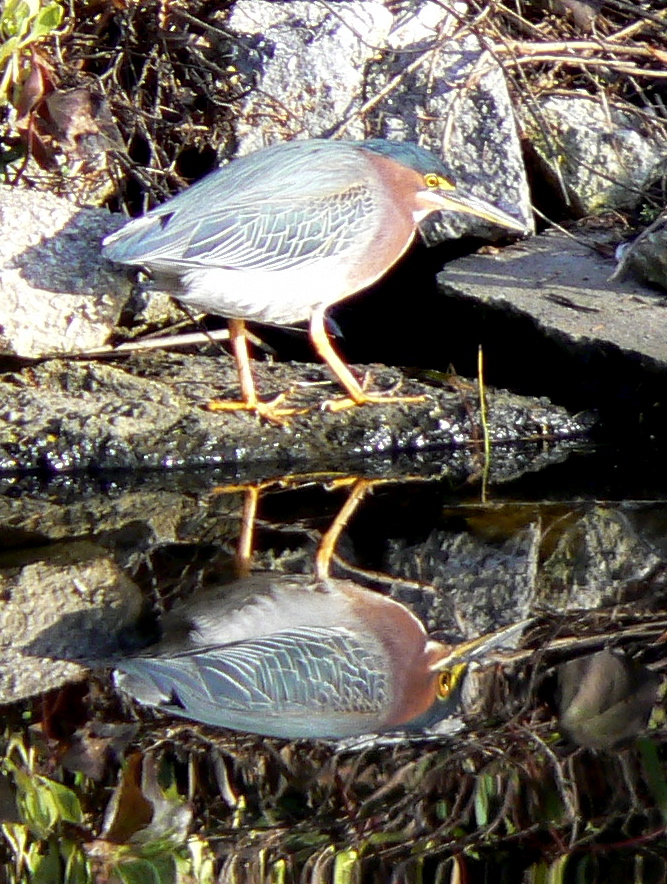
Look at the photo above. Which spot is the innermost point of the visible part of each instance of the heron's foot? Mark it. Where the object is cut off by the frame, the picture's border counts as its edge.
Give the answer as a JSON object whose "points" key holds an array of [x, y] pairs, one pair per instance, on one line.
{"points": [[368, 399], [272, 411]]}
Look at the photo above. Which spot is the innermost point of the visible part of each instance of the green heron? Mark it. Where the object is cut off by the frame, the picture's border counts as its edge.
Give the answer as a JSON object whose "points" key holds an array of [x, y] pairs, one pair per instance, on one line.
{"points": [[300, 656], [280, 235]]}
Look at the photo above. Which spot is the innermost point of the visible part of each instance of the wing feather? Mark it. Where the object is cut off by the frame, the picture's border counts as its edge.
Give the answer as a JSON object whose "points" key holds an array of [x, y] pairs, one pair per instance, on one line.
{"points": [[270, 211], [307, 681]]}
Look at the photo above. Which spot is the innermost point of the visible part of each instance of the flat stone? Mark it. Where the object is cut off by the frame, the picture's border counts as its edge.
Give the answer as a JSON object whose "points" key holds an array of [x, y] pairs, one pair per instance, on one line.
{"points": [[565, 287]]}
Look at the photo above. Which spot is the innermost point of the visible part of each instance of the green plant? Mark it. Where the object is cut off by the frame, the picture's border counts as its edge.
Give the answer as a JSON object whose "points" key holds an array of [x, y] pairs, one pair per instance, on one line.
{"points": [[22, 24], [44, 806]]}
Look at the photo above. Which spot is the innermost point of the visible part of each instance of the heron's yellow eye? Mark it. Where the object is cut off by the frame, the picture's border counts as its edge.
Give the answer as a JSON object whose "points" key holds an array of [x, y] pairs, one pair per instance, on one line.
{"points": [[445, 682], [439, 182]]}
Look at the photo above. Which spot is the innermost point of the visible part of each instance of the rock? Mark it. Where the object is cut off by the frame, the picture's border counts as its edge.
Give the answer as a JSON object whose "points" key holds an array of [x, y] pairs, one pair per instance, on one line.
{"points": [[646, 256], [290, 39], [57, 295], [316, 67], [150, 413], [456, 103], [564, 286], [603, 156], [61, 601], [500, 565]]}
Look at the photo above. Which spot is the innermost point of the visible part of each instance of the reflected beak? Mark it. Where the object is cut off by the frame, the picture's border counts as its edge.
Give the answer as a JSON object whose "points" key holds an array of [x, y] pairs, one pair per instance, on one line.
{"points": [[477, 648]]}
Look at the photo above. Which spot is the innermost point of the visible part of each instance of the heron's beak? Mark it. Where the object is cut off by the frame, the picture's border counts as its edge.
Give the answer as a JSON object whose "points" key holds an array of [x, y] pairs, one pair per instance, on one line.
{"points": [[456, 200], [478, 648]]}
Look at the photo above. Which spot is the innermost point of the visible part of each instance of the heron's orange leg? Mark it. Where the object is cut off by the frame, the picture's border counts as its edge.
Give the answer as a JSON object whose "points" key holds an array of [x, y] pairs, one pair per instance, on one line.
{"points": [[330, 538], [327, 547], [329, 541], [245, 545], [239, 342], [269, 410], [251, 495], [356, 394], [244, 549]]}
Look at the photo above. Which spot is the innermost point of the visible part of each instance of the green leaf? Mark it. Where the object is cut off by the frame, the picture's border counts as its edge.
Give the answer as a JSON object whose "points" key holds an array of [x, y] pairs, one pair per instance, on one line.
{"points": [[17, 835], [344, 866], [654, 773], [19, 23], [46, 864], [8, 17], [43, 803], [47, 21], [279, 872], [201, 860], [66, 802], [23, 22], [483, 791], [556, 873], [7, 49], [584, 871], [37, 808], [76, 863], [138, 871]]}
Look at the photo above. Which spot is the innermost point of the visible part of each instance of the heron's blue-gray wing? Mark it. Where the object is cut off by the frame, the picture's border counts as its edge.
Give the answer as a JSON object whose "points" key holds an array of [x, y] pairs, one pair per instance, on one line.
{"points": [[304, 682], [257, 214]]}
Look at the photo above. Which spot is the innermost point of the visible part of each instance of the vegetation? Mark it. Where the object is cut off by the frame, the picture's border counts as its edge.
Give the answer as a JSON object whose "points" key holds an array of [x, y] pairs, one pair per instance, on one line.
{"points": [[23, 25]]}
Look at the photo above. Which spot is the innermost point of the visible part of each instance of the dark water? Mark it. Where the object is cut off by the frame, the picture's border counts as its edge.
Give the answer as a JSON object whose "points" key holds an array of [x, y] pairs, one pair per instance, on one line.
{"points": [[91, 568]]}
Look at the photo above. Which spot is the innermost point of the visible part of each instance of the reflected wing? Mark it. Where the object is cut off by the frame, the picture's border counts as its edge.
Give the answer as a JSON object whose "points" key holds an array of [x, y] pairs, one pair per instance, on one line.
{"points": [[304, 682]]}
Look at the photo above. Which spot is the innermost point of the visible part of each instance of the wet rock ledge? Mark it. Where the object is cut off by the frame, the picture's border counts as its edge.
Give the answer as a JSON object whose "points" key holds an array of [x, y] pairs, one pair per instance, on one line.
{"points": [[150, 412]]}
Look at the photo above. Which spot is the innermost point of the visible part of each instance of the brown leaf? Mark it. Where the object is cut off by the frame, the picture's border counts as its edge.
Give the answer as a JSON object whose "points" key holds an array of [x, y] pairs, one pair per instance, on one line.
{"points": [[605, 699], [128, 810]]}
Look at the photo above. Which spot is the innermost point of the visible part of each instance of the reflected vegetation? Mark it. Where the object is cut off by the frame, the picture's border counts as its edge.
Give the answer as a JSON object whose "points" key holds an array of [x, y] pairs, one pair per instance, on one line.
{"points": [[554, 770]]}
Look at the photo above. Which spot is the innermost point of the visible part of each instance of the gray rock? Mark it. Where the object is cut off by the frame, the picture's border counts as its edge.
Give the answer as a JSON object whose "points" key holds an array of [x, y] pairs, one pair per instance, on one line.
{"points": [[311, 62], [59, 601], [456, 103], [471, 586], [515, 559], [57, 295], [603, 156], [149, 413], [356, 70], [565, 287], [646, 256], [599, 559]]}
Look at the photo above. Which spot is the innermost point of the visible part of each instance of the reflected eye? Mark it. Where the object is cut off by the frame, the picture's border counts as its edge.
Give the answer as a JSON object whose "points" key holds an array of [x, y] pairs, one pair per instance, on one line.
{"points": [[445, 681]]}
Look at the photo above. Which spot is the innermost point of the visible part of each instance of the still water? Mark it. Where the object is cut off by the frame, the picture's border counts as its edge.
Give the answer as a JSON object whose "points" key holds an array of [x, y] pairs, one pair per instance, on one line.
{"points": [[535, 766]]}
